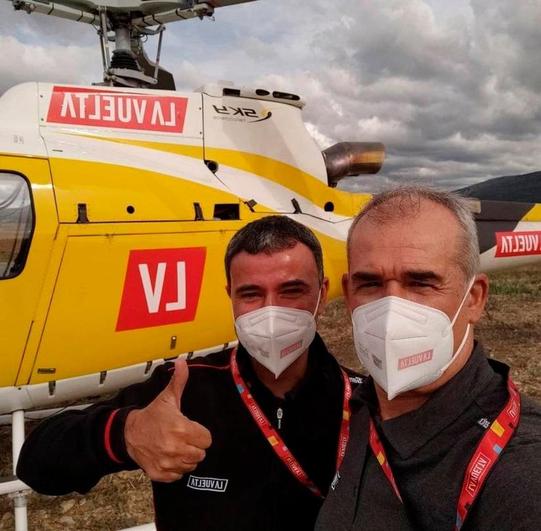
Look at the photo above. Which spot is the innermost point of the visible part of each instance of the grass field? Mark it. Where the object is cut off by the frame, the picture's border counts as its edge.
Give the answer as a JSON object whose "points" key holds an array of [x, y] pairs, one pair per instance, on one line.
{"points": [[510, 331]]}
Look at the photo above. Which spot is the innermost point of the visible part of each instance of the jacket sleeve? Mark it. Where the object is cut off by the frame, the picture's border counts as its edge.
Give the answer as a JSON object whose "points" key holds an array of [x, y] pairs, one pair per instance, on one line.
{"points": [[73, 450]]}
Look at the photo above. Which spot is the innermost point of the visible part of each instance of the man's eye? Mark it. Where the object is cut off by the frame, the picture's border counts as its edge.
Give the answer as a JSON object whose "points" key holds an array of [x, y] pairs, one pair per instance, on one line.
{"points": [[293, 292], [248, 295], [421, 284], [366, 285]]}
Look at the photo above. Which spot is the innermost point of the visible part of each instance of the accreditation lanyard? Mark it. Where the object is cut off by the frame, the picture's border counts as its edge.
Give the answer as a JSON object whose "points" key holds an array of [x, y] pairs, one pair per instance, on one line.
{"points": [[486, 454], [274, 438]]}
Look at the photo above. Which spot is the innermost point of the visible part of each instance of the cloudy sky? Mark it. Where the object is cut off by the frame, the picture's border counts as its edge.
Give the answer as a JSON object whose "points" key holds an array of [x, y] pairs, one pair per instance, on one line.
{"points": [[452, 87]]}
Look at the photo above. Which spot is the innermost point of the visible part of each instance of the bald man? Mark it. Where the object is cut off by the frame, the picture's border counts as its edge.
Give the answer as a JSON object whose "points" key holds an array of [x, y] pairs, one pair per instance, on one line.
{"points": [[440, 439]]}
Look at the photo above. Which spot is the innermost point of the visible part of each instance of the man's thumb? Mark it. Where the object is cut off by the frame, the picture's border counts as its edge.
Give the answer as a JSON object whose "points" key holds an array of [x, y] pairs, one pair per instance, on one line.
{"points": [[178, 380]]}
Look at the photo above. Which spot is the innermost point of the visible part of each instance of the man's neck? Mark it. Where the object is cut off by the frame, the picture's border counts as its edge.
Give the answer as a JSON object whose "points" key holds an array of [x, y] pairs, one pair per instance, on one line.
{"points": [[400, 405], [287, 381], [412, 400]]}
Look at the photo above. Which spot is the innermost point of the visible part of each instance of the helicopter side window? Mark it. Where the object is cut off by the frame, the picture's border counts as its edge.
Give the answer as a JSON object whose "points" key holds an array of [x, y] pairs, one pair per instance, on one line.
{"points": [[16, 224]]}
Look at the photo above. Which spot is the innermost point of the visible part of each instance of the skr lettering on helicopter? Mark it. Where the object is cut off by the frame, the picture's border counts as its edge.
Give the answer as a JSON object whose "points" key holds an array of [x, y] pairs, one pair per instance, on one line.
{"points": [[242, 113]]}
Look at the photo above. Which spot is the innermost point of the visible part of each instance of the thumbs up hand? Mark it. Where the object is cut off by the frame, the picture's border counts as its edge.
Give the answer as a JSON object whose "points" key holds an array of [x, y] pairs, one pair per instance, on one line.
{"points": [[160, 439]]}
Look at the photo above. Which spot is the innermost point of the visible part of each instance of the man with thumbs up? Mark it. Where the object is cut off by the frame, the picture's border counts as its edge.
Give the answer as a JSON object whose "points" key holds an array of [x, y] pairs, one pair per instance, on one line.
{"points": [[245, 439]]}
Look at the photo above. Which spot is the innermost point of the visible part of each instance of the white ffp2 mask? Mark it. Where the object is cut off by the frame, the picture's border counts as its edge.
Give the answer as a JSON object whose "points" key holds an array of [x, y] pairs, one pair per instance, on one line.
{"points": [[276, 336], [404, 345]]}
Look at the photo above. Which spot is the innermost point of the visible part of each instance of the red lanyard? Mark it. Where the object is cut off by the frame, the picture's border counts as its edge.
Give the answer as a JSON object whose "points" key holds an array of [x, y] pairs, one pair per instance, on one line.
{"points": [[486, 454], [381, 456], [273, 437]]}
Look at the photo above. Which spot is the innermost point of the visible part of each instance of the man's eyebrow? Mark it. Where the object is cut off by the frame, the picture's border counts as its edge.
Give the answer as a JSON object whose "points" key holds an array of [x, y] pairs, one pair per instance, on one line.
{"points": [[245, 288], [423, 275], [414, 274], [365, 276], [295, 283]]}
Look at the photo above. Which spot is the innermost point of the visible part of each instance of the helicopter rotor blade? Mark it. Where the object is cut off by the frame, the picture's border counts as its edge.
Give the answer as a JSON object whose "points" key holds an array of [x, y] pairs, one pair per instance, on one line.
{"points": [[153, 12], [56, 10]]}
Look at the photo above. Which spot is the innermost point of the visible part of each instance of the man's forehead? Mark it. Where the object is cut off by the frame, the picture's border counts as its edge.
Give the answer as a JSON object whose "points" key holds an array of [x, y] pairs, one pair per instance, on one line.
{"points": [[428, 223], [292, 263], [425, 240]]}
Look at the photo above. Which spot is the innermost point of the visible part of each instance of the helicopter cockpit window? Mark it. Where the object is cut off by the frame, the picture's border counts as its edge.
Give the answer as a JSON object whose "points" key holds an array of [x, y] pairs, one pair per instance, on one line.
{"points": [[16, 223]]}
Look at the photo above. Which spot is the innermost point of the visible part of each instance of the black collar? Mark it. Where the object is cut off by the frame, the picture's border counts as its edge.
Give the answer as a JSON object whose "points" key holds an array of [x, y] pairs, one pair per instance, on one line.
{"points": [[411, 431], [321, 367]]}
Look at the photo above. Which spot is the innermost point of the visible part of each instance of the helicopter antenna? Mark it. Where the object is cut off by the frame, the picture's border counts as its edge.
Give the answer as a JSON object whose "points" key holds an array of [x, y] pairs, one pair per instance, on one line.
{"points": [[126, 23]]}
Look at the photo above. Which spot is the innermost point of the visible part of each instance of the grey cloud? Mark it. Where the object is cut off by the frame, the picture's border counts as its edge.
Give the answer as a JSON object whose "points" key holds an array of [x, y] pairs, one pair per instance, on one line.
{"points": [[36, 28], [446, 96], [455, 94]]}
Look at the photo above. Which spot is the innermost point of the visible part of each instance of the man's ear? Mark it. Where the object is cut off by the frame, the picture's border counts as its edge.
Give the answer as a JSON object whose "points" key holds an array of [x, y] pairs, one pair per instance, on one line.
{"points": [[478, 297], [324, 295], [228, 289]]}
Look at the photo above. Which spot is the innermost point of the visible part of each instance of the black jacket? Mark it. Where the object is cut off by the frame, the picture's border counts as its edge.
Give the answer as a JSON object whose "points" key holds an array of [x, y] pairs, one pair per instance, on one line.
{"points": [[241, 484], [428, 450]]}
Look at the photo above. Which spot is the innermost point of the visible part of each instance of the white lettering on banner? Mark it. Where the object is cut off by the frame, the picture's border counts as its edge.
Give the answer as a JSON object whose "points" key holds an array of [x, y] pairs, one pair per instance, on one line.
{"points": [[153, 291], [140, 108], [518, 243], [209, 484], [68, 105], [180, 303], [101, 108], [109, 108]]}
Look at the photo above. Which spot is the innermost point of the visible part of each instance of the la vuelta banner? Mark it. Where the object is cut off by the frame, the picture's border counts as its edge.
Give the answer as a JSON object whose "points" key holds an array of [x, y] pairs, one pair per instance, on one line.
{"points": [[519, 243], [161, 286], [122, 110]]}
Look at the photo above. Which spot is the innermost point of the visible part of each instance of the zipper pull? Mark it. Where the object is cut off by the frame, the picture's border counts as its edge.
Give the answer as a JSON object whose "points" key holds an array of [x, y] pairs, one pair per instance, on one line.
{"points": [[279, 416]]}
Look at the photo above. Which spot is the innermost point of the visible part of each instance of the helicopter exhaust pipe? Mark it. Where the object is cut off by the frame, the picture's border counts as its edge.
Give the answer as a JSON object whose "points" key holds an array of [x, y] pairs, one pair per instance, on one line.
{"points": [[347, 159]]}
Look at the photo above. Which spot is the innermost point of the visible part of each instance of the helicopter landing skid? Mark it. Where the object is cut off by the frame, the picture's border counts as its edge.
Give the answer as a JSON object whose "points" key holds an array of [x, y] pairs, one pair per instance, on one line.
{"points": [[16, 489]]}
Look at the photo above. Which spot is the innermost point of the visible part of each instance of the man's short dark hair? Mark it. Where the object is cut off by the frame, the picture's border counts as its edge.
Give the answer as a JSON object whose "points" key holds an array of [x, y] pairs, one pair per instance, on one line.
{"points": [[272, 234]]}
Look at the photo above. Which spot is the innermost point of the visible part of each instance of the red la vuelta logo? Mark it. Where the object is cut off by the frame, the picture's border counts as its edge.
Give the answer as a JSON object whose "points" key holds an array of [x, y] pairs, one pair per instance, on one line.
{"points": [[162, 286], [122, 110], [518, 243]]}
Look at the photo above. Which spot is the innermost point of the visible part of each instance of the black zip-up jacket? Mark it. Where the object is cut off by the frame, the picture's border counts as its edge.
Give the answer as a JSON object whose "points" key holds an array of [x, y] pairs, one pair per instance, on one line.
{"points": [[241, 484], [428, 450]]}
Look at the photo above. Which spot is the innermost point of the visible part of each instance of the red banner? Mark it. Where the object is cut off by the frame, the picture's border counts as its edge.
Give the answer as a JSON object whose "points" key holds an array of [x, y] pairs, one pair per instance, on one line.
{"points": [[121, 110], [162, 286], [517, 243]]}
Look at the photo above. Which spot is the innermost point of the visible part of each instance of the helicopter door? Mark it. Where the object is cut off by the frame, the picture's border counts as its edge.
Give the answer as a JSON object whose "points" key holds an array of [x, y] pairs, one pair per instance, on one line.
{"points": [[134, 293], [27, 226]]}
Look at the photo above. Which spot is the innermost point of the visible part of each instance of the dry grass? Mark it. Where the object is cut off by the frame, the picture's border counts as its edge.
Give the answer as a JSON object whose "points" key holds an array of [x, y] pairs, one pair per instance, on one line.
{"points": [[510, 330]]}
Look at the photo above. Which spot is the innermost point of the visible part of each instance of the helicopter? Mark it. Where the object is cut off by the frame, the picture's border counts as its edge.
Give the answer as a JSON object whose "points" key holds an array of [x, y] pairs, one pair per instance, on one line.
{"points": [[118, 199]]}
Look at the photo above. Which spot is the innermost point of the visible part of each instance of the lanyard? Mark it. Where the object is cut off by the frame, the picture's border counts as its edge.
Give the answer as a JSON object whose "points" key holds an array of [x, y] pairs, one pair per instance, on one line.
{"points": [[484, 458], [274, 438]]}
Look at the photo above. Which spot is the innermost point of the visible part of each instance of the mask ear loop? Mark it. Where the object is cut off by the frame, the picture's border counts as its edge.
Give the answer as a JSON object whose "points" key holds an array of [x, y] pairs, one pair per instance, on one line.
{"points": [[463, 342], [470, 284], [317, 305]]}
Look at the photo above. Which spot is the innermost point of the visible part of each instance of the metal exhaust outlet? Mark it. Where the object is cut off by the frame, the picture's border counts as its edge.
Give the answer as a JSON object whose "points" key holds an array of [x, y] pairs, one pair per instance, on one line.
{"points": [[348, 159]]}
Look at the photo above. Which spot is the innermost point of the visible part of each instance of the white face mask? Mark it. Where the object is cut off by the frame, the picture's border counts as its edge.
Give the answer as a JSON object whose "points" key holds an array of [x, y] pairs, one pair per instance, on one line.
{"points": [[276, 336], [404, 345]]}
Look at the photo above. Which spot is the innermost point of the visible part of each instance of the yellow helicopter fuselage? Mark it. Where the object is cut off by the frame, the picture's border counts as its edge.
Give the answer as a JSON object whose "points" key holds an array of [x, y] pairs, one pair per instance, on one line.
{"points": [[135, 195], [132, 196]]}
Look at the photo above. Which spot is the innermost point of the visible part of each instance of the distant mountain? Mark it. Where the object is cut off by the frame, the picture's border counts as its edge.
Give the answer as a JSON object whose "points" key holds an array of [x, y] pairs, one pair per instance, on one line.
{"points": [[522, 188]]}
